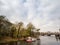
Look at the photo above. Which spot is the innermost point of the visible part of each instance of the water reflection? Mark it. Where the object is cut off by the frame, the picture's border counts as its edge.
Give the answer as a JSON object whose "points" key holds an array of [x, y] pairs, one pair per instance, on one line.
{"points": [[57, 36], [37, 42], [44, 40]]}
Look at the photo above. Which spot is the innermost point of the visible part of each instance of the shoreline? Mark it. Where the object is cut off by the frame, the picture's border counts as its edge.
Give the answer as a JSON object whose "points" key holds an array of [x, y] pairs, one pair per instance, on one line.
{"points": [[6, 40]]}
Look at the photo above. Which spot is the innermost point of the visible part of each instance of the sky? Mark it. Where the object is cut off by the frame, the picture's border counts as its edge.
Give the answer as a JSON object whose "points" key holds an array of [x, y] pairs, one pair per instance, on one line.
{"points": [[44, 14]]}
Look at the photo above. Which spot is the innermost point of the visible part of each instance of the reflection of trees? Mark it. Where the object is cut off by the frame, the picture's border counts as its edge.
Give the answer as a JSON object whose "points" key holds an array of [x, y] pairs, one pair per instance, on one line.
{"points": [[57, 36], [38, 42]]}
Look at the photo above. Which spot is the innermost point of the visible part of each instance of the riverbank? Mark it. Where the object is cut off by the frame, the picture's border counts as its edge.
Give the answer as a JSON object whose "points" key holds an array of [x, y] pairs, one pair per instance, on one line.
{"points": [[9, 39]]}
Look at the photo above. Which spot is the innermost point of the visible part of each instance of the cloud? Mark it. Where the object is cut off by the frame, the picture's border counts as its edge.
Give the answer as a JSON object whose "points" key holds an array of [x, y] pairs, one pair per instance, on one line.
{"points": [[43, 14]]}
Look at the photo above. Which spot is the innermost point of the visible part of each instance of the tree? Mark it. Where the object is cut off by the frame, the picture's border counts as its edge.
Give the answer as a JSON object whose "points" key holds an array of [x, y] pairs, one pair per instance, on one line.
{"points": [[4, 26], [20, 26], [38, 33], [30, 27], [13, 32], [2, 18]]}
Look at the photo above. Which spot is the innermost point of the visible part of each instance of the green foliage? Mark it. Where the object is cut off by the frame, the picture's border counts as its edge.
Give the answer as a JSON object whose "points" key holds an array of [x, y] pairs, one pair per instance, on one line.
{"points": [[24, 33], [4, 26], [16, 30], [30, 27]]}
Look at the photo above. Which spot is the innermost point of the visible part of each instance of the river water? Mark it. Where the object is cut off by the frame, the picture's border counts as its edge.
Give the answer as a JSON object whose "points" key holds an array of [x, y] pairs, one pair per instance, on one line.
{"points": [[44, 40]]}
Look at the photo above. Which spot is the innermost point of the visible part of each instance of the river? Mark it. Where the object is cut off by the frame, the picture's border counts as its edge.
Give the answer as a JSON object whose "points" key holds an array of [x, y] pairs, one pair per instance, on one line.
{"points": [[44, 40]]}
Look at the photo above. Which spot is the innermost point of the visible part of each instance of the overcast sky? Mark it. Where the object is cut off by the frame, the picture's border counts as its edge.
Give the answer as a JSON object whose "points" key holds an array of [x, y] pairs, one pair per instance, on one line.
{"points": [[44, 14]]}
